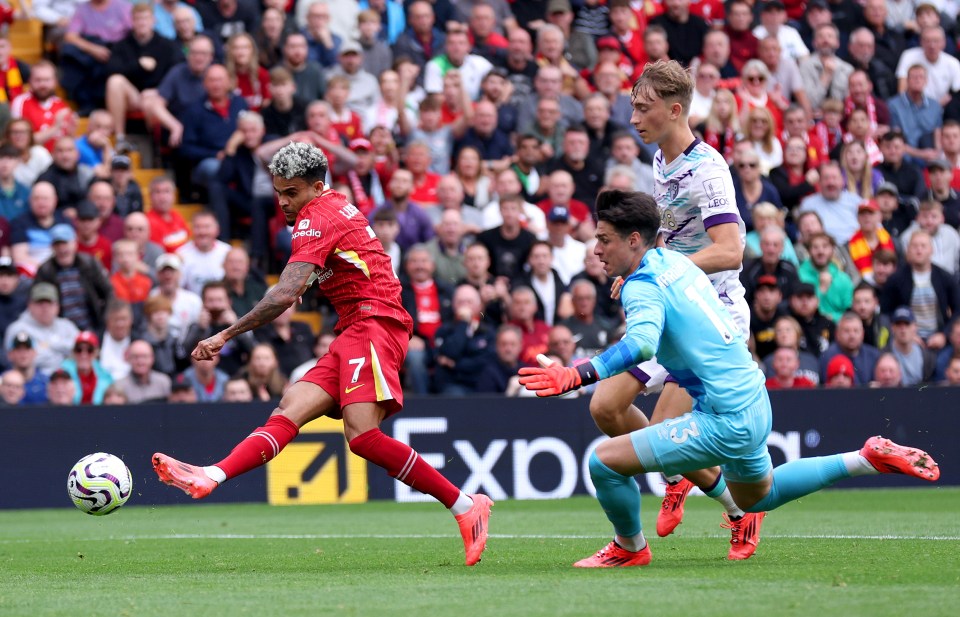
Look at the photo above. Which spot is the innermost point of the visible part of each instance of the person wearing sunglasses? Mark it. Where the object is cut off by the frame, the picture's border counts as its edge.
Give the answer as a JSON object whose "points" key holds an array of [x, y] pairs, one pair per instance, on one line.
{"points": [[90, 379]]}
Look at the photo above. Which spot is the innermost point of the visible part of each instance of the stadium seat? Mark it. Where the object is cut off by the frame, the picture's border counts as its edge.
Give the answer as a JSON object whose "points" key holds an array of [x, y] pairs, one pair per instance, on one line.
{"points": [[311, 318], [26, 38]]}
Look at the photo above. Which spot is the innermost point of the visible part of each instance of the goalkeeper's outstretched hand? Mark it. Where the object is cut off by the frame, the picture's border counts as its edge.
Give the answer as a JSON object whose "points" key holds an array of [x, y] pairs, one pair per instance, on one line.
{"points": [[550, 378]]}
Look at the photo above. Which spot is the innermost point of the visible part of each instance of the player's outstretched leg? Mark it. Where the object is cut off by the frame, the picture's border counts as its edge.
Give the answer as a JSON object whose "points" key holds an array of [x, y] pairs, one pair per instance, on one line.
{"points": [[190, 479], [879, 455]]}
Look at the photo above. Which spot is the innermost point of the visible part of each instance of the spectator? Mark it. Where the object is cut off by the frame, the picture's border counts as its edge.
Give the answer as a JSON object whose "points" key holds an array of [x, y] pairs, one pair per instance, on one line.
{"points": [[164, 13], [446, 249], [129, 282], [495, 376], [307, 74], [203, 256], [684, 31], [23, 358], [587, 173], [90, 379], [323, 44], [773, 23], [835, 206], [785, 81], [895, 215], [83, 287], [532, 218], [766, 215], [117, 338], [876, 325], [429, 303], [952, 373], [950, 144], [871, 237], [246, 288], [946, 240], [228, 17], [906, 176], [450, 194], [862, 98], [181, 391], [553, 301], [887, 373], [138, 62], [421, 41], [858, 172], [95, 29], [919, 116], [387, 229], [751, 187], [823, 73], [931, 292], [743, 44], [14, 195], [50, 335], [464, 346], [765, 310], [167, 227], [377, 55], [292, 341], [755, 94], [877, 15], [762, 134], [786, 363], [817, 329], [320, 348], [840, 372], [216, 316], [11, 388], [548, 127], [591, 331], [13, 293], [788, 334], [207, 381], [186, 305], [943, 70], [950, 351], [808, 225], [494, 292], [285, 112], [101, 195], [456, 56], [625, 151], [61, 391], [68, 177], [568, 254], [941, 175], [561, 191], [262, 372], [344, 120], [548, 85], [917, 363], [834, 287], [594, 273], [170, 356], [89, 239], [143, 384], [849, 342], [237, 390], [414, 223], [48, 115], [522, 314], [509, 244], [468, 168], [136, 228]]}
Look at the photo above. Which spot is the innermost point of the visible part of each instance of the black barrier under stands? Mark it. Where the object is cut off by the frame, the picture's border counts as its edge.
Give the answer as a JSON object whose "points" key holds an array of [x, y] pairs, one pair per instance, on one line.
{"points": [[509, 448]]}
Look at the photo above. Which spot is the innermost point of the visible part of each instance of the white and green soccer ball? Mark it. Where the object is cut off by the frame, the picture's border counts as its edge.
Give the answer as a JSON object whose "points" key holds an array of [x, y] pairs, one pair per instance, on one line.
{"points": [[99, 484]]}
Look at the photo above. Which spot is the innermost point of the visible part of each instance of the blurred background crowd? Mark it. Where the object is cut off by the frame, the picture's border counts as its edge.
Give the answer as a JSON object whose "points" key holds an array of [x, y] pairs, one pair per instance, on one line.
{"points": [[137, 216]]}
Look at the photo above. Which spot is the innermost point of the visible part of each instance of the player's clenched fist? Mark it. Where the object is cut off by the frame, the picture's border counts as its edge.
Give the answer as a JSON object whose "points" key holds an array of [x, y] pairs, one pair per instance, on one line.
{"points": [[550, 378], [208, 348]]}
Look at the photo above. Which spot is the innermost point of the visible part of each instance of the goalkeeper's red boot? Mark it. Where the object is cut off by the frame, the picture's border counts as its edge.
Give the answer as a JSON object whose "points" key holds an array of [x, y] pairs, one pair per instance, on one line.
{"points": [[190, 479], [473, 527], [744, 534], [889, 457], [615, 556], [671, 510]]}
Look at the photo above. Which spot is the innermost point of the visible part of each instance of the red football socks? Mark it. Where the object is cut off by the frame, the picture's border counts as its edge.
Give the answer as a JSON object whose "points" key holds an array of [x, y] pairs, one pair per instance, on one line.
{"points": [[260, 446], [403, 463]]}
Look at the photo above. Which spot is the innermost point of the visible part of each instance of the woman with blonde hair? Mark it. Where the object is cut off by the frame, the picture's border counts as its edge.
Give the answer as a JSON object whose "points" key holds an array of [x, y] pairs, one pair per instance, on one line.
{"points": [[763, 135], [765, 214], [263, 374], [468, 167], [754, 92], [860, 177], [721, 129], [250, 80], [787, 332]]}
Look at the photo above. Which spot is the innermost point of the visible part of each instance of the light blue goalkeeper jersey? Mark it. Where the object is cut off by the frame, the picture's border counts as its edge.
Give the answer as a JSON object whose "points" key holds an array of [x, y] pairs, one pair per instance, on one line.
{"points": [[674, 312]]}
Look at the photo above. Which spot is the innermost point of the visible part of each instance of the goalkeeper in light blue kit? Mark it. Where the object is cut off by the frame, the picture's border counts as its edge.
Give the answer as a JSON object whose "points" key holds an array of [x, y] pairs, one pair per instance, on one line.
{"points": [[675, 313]]}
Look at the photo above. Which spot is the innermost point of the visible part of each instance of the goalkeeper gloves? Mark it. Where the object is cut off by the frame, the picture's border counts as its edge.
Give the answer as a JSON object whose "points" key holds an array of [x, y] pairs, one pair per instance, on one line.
{"points": [[552, 379]]}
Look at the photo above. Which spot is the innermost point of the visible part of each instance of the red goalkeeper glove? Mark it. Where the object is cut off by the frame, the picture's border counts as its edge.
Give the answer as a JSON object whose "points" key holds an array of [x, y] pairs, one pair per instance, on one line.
{"points": [[552, 379]]}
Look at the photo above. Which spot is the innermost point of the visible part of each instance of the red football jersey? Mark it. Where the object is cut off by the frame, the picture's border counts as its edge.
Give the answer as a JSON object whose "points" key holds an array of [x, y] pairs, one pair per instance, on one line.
{"points": [[352, 270]]}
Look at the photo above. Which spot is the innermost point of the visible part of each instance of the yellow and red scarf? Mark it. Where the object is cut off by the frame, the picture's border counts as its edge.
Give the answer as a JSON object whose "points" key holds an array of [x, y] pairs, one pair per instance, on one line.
{"points": [[11, 81]]}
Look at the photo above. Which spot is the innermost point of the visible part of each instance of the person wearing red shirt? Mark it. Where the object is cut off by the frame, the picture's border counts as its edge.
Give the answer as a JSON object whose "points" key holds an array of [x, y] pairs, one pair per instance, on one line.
{"points": [[344, 120], [49, 116], [167, 227], [89, 238], [628, 27], [252, 80], [90, 379], [430, 303], [523, 311], [786, 363], [425, 182], [129, 282], [870, 238], [358, 379], [744, 45]]}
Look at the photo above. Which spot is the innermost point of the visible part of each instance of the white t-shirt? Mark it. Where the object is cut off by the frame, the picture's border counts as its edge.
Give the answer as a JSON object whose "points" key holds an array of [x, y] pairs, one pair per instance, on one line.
{"points": [[943, 76], [791, 43], [200, 267], [186, 309], [568, 259], [535, 221], [472, 72]]}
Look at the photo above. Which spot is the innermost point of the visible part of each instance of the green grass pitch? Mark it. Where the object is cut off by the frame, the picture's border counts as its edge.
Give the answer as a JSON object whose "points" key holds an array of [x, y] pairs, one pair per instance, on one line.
{"points": [[871, 553]]}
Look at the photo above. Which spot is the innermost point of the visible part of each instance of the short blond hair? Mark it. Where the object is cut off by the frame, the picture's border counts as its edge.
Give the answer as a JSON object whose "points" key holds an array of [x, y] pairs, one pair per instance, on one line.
{"points": [[667, 80]]}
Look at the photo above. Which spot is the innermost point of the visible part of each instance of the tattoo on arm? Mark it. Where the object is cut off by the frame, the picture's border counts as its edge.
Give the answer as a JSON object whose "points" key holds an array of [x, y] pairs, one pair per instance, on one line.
{"points": [[292, 281]]}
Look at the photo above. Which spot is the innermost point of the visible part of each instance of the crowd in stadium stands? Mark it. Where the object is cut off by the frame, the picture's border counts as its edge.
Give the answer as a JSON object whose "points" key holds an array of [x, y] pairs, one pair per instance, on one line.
{"points": [[475, 136]]}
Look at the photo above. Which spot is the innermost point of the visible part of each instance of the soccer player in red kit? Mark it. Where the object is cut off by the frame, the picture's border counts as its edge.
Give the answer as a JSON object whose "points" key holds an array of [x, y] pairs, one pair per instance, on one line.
{"points": [[358, 379]]}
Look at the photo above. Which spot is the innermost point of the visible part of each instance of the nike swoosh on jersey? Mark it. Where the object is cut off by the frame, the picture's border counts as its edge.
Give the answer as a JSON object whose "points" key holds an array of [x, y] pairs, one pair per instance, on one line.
{"points": [[349, 390]]}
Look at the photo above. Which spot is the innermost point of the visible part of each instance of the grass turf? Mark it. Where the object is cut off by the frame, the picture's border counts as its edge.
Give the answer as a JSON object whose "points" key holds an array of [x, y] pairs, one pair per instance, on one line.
{"points": [[873, 553]]}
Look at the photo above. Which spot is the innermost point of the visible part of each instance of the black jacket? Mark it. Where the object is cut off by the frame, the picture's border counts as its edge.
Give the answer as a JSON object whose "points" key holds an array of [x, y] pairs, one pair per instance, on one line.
{"points": [[471, 351], [899, 289]]}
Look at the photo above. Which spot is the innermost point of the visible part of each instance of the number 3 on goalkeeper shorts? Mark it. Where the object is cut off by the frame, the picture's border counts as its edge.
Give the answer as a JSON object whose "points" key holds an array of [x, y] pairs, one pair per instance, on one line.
{"points": [[679, 434]]}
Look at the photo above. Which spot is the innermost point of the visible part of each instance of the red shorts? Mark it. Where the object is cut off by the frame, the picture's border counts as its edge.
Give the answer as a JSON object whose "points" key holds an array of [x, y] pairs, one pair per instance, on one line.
{"points": [[363, 365]]}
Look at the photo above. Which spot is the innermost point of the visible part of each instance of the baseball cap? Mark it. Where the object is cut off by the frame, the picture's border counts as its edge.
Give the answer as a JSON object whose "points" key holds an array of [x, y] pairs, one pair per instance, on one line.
{"points": [[499, 71], [608, 42], [60, 374], [7, 266], [767, 280], [773, 5], [889, 187], [558, 6], [62, 232], [87, 337], [180, 383], [44, 292], [350, 46], [168, 260], [903, 314], [22, 339], [868, 205], [86, 210], [559, 214], [804, 289], [120, 161], [839, 365], [940, 164], [818, 4], [360, 143]]}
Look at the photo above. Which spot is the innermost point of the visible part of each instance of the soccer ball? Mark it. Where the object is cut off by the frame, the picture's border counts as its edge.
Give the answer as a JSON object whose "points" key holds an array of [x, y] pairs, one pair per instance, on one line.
{"points": [[99, 484]]}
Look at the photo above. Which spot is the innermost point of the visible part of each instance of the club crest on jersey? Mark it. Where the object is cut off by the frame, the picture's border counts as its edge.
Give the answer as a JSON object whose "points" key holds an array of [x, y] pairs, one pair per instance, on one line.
{"points": [[713, 188], [304, 224], [673, 189]]}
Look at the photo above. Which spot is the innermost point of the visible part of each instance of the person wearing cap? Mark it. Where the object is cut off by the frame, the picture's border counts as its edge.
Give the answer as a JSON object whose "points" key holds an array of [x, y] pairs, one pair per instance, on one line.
{"points": [[848, 342], [917, 363], [89, 239], [839, 373], [816, 329], [568, 253], [181, 391], [84, 289], [364, 88], [186, 305], [90, 379], [918, 115], [51, 336], [128, 194], [895, 214], [13, 293], [764, 311], [871, 237], [941, 173], [456, 55], [22, 357], [61, 390], [14, 196]]}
